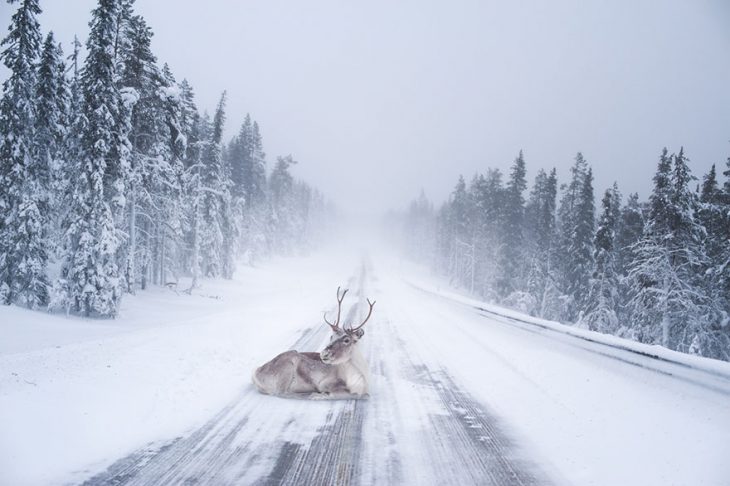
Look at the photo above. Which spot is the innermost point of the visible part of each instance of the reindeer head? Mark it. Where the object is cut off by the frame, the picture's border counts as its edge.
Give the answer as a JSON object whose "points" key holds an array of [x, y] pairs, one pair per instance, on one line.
{"points": [[343, 339]]}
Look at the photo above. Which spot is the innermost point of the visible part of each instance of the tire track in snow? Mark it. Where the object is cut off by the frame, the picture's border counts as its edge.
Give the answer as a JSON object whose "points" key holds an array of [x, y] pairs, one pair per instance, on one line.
{"points": [[419, 427], [241, 444], [333, 456], [449, 438]]}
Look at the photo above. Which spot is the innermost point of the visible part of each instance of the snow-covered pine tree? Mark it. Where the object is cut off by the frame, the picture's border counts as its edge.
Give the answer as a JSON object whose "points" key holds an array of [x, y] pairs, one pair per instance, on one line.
{"points": [[66, 172], [722, 268], [50, 129], [714, 214], [23, 175], [511, 254], [52, 100], [539, 241], [630, 230], [668, 305], [281, 185], [602, 301], [711, 212], [75, 95], [481, 235], [197, 135], [217, 235], [575, 250], [90, 278], [239, 159], [154, 191], [256, 200], [487, 201], [462, 260], [172, 213], [247, 163]]}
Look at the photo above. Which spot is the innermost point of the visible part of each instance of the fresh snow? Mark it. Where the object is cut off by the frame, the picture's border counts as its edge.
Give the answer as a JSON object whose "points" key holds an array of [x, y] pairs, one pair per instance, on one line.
{"points": [[577, 407], [75, 393]]}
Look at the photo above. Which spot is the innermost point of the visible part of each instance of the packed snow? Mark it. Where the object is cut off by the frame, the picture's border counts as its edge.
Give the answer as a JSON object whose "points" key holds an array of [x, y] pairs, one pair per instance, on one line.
{"points": [[78, 394]]}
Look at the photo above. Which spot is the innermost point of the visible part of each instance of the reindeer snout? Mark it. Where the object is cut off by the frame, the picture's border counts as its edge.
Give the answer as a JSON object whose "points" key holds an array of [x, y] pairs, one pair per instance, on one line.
{"points": [[325, 356]]}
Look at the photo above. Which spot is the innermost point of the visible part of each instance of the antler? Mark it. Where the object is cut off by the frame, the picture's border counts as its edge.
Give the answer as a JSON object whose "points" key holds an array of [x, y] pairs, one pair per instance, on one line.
{"points": [[370, 312], [336, 325]]}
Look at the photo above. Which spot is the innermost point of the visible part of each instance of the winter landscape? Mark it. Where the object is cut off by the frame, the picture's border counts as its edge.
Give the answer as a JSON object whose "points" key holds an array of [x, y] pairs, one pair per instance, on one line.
{"points": [[492, 242]]}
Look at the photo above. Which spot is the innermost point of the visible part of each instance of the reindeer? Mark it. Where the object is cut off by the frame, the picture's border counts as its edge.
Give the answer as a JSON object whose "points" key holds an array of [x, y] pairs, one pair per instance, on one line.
{"points": [[338, 372]]}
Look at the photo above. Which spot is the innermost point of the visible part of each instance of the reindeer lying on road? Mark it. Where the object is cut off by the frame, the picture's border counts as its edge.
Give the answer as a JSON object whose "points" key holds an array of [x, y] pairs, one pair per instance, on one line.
{"points": [[339, 371]]}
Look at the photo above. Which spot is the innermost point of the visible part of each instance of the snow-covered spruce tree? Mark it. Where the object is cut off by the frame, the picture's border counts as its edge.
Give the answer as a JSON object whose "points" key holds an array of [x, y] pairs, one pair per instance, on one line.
{"points": [[714, 215], [51, 131], [539, 242], [154, 190], [629, 231], [217, 231], [461, 251], [188, 149], [23, 172], [281, 185], [575, 242], [172, 213], [247, 163], [472, 251], [487, 201], [602, 301], [256, 175], [90, 277], [75, 81], [722, 266], [511, 255], [197, 134], [668, 304], [52, 101]]}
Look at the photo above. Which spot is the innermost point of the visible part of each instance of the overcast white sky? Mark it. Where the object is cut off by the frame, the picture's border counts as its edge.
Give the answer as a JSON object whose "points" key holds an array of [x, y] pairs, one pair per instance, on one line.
{"points": [[380, 98]]}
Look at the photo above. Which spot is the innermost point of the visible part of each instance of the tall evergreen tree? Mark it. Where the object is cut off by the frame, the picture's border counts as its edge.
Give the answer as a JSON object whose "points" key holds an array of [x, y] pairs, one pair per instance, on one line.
{"points": [[603, 295], [540, 239], [462, 260], [23, 250], [52, 101], [511, 248], [194, 190], [630, 230], [53, 135], [281, 187], [666, 299], [575, 252], [90, 279], [154, 189], [217, 230]]}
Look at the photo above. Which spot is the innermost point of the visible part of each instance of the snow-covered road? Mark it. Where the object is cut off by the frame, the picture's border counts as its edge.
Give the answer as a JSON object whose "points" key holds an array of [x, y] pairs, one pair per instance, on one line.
{"points": [[418, 427], [461, 393]]}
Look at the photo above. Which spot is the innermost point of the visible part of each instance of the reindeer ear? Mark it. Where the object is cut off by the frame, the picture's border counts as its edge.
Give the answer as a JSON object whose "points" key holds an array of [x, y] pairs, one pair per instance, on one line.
{"points": [[359, 333]]}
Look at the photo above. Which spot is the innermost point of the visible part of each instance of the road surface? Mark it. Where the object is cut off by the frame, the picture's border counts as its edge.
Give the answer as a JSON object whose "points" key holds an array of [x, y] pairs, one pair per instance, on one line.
{"points": [[459, 396]]}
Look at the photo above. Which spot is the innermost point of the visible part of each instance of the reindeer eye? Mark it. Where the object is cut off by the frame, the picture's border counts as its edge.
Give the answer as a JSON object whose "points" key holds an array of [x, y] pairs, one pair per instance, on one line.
{"points": [[346, 340]]}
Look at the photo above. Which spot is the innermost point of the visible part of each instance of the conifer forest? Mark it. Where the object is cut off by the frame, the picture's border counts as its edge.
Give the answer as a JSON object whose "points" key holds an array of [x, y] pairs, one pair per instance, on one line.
{"points": [[111, 173], [655, 271], [333, 243]]}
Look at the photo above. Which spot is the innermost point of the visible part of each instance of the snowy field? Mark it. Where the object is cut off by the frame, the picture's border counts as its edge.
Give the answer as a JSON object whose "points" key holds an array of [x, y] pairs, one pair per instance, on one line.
{"points": [[461, 392]]}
